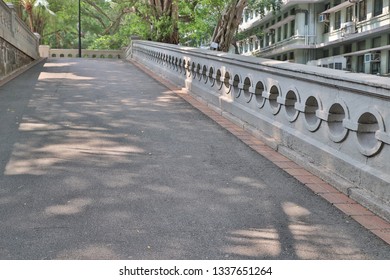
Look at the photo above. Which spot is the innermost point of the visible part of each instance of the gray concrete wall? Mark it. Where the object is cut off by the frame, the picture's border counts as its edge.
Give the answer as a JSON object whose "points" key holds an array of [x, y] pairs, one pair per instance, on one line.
{"points": [[332, 122]]}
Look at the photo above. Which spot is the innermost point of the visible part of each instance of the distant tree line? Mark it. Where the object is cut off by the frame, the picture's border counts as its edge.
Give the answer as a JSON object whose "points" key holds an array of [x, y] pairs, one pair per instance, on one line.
{"points": [[108, 24]]}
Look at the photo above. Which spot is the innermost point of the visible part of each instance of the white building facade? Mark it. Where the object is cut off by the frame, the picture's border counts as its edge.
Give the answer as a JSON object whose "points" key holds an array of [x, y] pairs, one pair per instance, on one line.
{"points": [[348, 35]]}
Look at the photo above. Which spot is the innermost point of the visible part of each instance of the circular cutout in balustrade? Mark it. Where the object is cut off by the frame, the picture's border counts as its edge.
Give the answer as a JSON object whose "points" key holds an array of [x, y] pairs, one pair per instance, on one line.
{"points": [[291, 100], [204, 73], [368, 125], [259, 94], [226, 82], [311, 107], [218, 78], [337, 131], [198, 72], [246, 86], [211, 78], [236, 82], [193, 70], [273, 99], [183, 67]]}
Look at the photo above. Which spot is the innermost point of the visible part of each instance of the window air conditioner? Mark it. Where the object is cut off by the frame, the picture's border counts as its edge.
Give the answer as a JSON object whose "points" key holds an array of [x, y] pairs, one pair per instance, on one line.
{"points": [[323, 18], [372, 57]]}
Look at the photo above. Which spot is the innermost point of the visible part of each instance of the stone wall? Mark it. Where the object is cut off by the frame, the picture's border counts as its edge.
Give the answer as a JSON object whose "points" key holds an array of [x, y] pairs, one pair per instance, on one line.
{"points": [[11, 58], [334, 123], [18, 45]]}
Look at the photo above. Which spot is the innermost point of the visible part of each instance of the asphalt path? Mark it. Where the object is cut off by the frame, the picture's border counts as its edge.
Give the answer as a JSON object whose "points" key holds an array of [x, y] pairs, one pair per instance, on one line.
{"points": [[99, 161]]}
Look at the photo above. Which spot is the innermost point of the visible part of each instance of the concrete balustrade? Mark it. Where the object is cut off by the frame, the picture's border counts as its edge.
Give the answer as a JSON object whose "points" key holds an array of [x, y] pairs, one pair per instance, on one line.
{"points": [[46, 51], [332, 122]]}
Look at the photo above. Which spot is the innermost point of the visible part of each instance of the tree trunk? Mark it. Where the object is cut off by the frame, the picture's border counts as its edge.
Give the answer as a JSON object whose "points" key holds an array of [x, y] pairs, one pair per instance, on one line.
{"points": [[228, 24], [166, 15], [175, 18], [29, 11]]}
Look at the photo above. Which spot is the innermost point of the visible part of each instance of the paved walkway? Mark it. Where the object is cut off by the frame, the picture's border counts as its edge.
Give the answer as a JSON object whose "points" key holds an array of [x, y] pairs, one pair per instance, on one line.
{"points": [[99, 161]]}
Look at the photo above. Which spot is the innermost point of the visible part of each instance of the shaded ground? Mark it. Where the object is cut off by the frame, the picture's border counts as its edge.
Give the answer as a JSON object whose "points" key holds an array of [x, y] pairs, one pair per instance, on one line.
{"points": [[98, 161]]}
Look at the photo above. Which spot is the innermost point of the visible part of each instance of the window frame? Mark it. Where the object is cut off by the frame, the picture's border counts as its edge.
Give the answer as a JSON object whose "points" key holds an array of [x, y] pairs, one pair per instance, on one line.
{"points": [[378, 7]]}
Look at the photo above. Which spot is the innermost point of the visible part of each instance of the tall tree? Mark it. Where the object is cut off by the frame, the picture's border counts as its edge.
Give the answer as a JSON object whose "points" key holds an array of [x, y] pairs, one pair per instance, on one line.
{"points": [[163, 17], [228, 24], [29, 6]]}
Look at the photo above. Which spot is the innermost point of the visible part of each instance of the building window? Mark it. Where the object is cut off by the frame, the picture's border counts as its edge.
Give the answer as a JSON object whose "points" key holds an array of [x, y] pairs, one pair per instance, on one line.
{"points": [[362, 10], [378, 7], [291, 56], [361, 45], [349, 14], [285, 31], [349, 63], [388, 62], [279, 34], [376, 42], [326, 28], [348, 48], [327, 6], [337, 20], [325, 53], [376, 68], [338, 65], [360, 64], [292, 26], [336, 51]]}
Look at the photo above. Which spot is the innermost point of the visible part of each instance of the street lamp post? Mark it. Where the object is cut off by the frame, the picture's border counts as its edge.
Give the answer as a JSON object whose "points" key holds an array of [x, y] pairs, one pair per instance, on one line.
{"points": [[79, 28]]}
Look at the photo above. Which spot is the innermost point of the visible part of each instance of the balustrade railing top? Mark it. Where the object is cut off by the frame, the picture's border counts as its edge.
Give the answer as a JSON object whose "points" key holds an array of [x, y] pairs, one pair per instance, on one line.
{"points": [[333, 122], [69, 53]]}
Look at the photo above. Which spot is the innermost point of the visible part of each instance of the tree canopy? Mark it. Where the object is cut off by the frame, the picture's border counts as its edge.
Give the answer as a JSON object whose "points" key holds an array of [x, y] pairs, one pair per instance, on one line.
{"points": [[108, 24]]}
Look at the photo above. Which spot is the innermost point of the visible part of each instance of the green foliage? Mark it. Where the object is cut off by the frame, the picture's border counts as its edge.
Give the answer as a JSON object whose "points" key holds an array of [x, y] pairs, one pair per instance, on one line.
{"points": [[262, 6], [162, 28], [108, 24], [199, 20]]}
